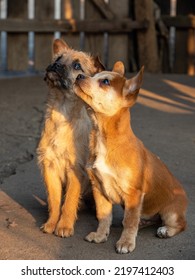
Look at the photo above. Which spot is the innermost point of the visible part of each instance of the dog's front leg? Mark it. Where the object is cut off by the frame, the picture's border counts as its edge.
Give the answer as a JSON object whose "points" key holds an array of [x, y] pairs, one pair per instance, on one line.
{"points": [[104, 216], [54, 190], [65, 226], [127, 241]]}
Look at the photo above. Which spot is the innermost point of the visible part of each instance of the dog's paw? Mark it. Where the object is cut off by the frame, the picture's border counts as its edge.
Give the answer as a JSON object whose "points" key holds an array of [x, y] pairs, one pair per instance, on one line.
{"points": [[96, 237], [162, 232], [48, 227], [64, 232], [125, 246]]}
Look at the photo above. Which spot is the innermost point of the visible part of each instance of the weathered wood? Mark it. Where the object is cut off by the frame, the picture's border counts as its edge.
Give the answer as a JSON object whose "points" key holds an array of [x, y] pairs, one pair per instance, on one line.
{"points": [[1, 56], [181, 43], [191, 52], [17, 44], [44, 9], [94, 43], [183, 22], [119, 43], [147, 40], [74, 26], [70, 11], [104, 9]]}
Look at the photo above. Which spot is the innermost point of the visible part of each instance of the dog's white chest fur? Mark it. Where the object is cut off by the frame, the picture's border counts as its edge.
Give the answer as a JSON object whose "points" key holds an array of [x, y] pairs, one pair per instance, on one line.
{"points": [[106, 173], [100, 163]]}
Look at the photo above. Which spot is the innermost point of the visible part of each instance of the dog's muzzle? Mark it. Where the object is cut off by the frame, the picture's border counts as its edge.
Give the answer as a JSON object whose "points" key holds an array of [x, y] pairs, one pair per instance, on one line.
{"points": [[57, 74]]}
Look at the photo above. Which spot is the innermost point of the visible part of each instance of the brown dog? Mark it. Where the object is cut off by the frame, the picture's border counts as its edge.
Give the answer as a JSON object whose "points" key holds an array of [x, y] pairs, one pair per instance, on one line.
{"points": [[63, 148], [121, 169]]}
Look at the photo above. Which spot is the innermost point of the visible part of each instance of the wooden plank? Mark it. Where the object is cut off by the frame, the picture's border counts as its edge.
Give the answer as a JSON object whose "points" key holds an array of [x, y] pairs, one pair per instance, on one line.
{"points": [[133, 65], [70, 11], [191, 52], [182, 22], [1, 56], [119, 44], [181, 55], [147, 40], [76, 26], [94, 44], [44, 9], [17, 44], [104, 9], [181, 43]]}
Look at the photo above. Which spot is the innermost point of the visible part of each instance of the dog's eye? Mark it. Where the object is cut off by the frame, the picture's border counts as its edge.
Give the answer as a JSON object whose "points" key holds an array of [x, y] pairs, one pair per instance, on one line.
{"points": [[77, 66], [106, 82]]}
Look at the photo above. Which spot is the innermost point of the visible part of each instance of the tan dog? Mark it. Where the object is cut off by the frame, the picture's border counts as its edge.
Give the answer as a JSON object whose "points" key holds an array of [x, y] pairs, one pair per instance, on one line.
{"points": [[63, 148], [122, 170]]}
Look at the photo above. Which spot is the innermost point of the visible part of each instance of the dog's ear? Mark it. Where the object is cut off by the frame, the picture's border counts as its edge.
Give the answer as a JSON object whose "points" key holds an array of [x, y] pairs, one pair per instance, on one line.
{"points": [[119, 68], [59, 46], [132, 87], [98, 64]]}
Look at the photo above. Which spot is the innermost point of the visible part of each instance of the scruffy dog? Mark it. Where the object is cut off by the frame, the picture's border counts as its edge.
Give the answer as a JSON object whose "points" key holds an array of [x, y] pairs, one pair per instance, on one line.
{"points": [[121, 169], [63, 148]]}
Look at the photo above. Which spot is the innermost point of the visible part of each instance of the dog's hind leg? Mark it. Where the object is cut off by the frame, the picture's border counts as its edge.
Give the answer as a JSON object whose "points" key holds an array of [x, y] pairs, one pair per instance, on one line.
{"points": [[173, 215], [146, 222], [174, 223]]}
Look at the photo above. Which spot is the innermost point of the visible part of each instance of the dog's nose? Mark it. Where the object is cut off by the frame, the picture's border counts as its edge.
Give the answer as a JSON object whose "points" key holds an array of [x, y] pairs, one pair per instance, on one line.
{"points": [[80, 77], [55, 67]]}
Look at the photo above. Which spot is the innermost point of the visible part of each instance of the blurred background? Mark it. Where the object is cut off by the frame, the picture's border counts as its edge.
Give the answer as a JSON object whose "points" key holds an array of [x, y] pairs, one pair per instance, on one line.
{"points": [[159, 34]]}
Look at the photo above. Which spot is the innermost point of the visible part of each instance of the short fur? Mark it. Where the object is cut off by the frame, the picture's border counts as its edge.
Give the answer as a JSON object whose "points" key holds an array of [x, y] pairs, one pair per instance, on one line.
{"points": [[63, 148], [121, 169]]}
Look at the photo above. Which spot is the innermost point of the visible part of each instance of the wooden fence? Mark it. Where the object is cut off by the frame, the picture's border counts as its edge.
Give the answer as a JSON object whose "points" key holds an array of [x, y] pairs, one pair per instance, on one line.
{"points": [[126, 30]]}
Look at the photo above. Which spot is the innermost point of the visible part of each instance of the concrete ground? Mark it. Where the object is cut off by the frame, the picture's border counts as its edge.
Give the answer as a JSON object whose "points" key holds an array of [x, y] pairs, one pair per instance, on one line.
{"points": [[164, 118]]}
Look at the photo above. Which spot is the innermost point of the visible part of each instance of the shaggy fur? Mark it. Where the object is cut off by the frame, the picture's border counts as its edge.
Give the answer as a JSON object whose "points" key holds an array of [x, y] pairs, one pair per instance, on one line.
{"points": [[63, 148]]}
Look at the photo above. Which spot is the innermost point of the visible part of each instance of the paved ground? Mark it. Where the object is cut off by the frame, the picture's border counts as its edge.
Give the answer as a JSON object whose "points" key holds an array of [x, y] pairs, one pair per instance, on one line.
{"points": [[164, 118]]}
